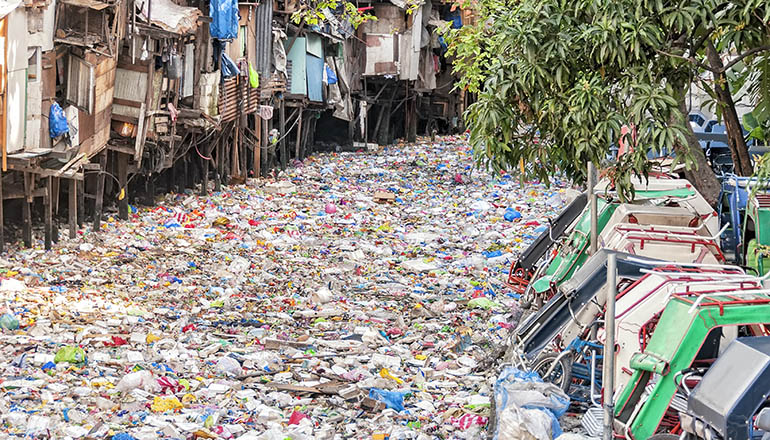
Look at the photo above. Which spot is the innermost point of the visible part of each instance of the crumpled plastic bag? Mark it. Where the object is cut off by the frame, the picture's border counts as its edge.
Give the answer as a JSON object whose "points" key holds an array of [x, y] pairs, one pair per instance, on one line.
{"points": [[141, 379], [392, 399], [523, 400], [71, 354], [57, 122], [253, 77], [516, 423]]}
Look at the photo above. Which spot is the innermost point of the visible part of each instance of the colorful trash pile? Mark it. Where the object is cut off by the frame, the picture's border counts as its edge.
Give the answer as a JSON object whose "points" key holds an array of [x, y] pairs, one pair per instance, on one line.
{"points": [[355, 296]]}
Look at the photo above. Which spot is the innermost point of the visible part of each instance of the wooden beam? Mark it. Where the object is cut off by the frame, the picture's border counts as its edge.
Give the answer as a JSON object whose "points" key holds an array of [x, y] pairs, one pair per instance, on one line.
{"points": [[205, 171], [121, 149], [121, 118], [47, 207], [81, 204], [72, 209], [257, 145], [127, 102], [100, 191], [264, 167], [27, 210], [299, 137], [4, 96], [2, 228], [55, 208], [282, 134], [55, 200], [294, 38], [44, 172], [220, 163], [18, 193]]}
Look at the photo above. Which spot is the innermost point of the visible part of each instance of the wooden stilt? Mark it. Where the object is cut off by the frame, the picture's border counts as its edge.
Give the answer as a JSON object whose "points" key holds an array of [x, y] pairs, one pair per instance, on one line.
{"points": [[81, 202], [305, 136], [27, 211], [123, 182], [48, 209], [205, 171], [171, 178], [55, 208], [150, 190], [56, 186], [2, 227], [183, 182], [299, 136], [311, 136], [265, 150], [98, 210], [110, 168], [257, 146], [411, 114], [271, 149], [72, 209], [242, 146], [282, 134], [352, 130], [235, 154], [219, 166]]}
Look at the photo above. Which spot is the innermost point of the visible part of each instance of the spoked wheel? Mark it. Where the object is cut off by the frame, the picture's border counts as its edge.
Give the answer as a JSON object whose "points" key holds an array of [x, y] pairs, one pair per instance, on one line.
{"points": [[664, 437], [561, 373]]}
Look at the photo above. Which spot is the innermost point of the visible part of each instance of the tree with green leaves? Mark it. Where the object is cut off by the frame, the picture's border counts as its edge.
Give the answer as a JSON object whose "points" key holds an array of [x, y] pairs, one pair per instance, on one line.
{"points": [[730, 43], [558, 80]]}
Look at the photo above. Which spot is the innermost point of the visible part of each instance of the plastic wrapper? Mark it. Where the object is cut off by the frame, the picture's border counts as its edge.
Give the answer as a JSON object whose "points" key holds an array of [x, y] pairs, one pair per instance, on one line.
{"points": [[527, 406]]}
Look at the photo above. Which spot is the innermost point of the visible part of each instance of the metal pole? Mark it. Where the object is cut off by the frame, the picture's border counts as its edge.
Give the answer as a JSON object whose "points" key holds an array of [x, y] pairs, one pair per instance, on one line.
{"points": [[608, 369], [592, 201]]}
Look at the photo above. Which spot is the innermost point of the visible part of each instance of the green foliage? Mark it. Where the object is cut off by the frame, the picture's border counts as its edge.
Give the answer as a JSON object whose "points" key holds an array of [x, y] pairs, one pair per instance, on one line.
{"points": [[556, 80], [412, 6], [313, 14], [761, 174], [756, 84]]}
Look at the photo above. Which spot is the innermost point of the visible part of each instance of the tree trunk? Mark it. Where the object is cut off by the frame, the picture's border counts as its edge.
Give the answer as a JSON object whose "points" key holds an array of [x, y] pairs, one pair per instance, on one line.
{"points": [[700, 175], [735, 140]]}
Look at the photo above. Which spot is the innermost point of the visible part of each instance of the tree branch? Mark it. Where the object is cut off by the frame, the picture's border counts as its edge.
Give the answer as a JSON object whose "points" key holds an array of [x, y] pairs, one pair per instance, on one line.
{"points": [[740, 57], [697, 46], [726, 67], [691, 60]]}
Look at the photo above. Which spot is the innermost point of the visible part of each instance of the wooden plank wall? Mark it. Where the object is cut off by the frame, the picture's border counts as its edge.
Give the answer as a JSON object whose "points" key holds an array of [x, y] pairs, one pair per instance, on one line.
{"points": [[48, 70], [95, 128]]}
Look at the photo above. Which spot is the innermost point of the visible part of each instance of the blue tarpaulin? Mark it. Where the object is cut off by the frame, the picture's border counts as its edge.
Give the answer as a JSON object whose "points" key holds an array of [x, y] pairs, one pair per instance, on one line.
{"points": [[224, 14], [331, 78]]}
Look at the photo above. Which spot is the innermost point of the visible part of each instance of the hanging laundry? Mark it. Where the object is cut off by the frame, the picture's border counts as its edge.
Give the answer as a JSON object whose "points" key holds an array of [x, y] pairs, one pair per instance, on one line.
{"points": [[229, 68]]}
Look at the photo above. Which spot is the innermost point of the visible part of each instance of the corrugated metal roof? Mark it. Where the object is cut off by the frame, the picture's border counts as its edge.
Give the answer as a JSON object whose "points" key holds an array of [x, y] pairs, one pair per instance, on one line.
{"points": [[264, 31]]}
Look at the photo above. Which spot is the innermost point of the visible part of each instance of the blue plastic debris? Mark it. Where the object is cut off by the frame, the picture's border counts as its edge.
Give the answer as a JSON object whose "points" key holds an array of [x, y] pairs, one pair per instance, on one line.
{"points": [[392, 399], [511, 214]]}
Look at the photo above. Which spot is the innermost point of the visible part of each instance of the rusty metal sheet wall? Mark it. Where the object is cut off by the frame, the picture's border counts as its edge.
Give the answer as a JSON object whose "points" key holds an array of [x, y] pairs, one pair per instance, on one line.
{"points": [[264, 47], [236, 97]]}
